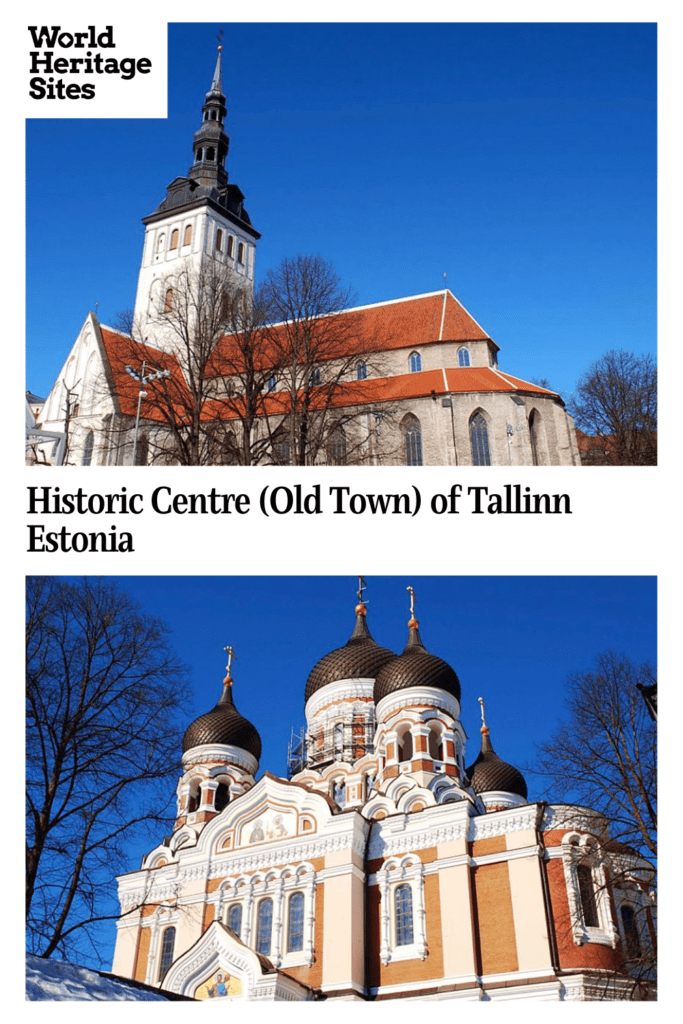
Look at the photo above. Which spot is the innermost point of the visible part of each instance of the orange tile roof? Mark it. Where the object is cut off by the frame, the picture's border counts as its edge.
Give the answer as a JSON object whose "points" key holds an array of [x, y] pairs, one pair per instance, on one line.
{"points": [[404, 323], [398, 324]]}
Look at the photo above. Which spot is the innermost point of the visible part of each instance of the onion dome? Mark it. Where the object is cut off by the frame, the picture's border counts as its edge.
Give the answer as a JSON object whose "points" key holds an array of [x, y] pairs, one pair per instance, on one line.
{"points": [[489, 773], [359, 658], [416, 667], [223, 725]]}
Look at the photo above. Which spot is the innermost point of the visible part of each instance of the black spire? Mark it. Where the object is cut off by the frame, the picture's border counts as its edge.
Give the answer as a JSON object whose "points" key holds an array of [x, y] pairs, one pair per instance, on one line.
{"points": [[211, 142]]}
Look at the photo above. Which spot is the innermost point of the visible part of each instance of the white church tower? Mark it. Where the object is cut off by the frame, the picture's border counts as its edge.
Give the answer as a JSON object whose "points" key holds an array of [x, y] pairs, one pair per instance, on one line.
{"points": [[202, 223]]}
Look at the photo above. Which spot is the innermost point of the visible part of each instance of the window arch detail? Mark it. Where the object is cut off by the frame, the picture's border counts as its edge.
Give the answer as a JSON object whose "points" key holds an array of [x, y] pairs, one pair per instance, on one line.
{"points": [[187, 237], [415, 362], [412, 436], [587, 892], [166, 952], [479, 439], [464, 357], [403, 923], [175, 234]]}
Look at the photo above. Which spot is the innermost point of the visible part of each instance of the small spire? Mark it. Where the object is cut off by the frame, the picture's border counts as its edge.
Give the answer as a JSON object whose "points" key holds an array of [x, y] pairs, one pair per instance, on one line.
{"points": [[414, 643], [361, 606], [217, 81], [226, 698], [485, 741], [361, 631]]}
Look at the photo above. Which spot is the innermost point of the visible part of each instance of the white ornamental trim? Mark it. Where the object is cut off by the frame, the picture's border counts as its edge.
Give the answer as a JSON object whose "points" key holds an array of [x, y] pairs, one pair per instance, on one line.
{"points": [[342, 689], [407, 698], [209, 752]]}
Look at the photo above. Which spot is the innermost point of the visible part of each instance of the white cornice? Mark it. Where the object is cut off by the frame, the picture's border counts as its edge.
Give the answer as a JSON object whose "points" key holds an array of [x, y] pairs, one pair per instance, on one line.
{"points": [[433, 696], [341, 689], [211, 753]]}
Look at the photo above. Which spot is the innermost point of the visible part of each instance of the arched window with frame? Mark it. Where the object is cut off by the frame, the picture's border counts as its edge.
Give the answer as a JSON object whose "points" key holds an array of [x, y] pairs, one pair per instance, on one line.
{"points": [[435, 744], [589, 907], [187, 237], [175, 234], [168, 300], [219, 240], [295, 923], [361, 370], [463, 357], [412, 433], [403, 903], [88, 446], [628, 919], [415, 362], [315, 376], [231, 245], [479, 439], [240, 253], [264, 926], [235, 919], [222, 797], [167, 948], [336, 447], [405, 745]]}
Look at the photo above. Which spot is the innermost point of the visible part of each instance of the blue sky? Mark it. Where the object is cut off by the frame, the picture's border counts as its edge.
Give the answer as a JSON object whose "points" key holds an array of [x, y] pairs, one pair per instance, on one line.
{"points": [[517, 158], [511, 640]]}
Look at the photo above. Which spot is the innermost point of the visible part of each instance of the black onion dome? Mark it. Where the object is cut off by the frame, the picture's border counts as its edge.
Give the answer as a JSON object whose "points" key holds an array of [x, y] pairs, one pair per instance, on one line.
{"points": [[489, 773], [224, 724], [416, 667], [359, 658]]}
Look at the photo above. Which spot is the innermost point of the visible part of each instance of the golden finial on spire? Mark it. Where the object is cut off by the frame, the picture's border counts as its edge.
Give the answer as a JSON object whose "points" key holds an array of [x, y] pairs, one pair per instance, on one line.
{"points": [[360, 607], [484, 726], [231, 655]]}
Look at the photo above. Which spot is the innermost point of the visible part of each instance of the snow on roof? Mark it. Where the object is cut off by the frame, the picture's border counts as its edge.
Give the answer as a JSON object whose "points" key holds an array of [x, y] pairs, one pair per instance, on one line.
{"points": [[56, 980]]}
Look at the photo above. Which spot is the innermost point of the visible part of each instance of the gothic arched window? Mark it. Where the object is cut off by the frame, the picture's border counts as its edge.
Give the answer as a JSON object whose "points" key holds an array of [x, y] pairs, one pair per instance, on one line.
{"points": [[174, 238], [403, 899], [187, 238], [361, 371], [413, 441], [235, 919], [295, 923], [336, 448], [264, 926], [533, 436], [479, 437], [88, 448], [167, 947], [219, 239], [463, 357], [231, 245], [415, 362], [240, 253]]}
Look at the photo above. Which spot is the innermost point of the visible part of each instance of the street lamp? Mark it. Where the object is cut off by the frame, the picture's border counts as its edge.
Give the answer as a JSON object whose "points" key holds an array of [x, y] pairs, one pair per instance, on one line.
{"points": [[142, 379]]}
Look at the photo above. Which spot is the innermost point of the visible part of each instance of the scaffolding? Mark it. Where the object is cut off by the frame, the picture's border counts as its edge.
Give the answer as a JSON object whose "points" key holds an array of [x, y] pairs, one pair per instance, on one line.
{"points": [[345, 741]]}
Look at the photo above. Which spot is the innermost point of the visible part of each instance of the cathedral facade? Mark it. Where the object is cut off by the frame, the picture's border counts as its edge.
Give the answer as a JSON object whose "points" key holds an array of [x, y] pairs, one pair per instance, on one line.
{"points": [[388, 865], [418, 384]]}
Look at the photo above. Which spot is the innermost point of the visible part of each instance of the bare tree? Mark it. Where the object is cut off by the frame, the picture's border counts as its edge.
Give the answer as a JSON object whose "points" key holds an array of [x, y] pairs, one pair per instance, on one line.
{"points": [[616, 407], [102, 694], [604, 756], [317, 352], [252, 379]]}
